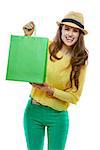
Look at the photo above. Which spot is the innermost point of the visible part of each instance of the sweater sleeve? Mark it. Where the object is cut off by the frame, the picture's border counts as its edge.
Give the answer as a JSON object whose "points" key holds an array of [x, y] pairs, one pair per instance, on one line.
{"points": [[72, 96]]}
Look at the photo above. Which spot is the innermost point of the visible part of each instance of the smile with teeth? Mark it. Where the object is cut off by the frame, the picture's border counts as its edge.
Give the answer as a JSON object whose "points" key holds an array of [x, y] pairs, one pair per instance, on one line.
{"points": [[69, 39]]}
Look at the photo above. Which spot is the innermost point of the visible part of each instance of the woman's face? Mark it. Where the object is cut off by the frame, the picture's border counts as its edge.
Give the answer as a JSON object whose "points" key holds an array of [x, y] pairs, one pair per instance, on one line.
{"points": [[69, 35]]}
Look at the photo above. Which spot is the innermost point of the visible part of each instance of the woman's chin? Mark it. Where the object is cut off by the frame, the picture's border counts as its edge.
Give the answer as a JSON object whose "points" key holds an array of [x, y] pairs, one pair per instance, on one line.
{"points": [[69, 44]]}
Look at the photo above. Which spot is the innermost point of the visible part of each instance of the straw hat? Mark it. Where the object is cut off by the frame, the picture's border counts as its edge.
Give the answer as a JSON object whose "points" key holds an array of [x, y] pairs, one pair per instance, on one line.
{"points": [[74, 19]]}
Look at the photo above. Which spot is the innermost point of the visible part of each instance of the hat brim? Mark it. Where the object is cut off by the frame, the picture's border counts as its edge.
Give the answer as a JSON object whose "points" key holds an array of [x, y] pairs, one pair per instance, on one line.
{"points": [[72, 25]]}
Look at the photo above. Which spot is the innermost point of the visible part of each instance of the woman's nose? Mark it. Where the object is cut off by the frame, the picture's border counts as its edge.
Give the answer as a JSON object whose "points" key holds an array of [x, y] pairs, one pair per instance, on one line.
{"points": [[70, 33]]}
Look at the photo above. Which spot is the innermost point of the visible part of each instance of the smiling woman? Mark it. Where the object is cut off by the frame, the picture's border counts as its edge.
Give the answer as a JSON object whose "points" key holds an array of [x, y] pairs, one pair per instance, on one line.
{"points": [[69, 35], [66, 68]]}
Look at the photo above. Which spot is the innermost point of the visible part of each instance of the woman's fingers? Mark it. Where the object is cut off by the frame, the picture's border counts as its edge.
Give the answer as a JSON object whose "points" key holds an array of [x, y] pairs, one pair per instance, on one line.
{"points": [[29, 28], [44, 87], [29, 25], [36, 86], [45, 84]]}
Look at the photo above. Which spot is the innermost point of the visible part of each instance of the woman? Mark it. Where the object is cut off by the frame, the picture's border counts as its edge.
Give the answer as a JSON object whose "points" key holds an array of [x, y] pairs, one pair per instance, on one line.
{"points": [[49, 102]]}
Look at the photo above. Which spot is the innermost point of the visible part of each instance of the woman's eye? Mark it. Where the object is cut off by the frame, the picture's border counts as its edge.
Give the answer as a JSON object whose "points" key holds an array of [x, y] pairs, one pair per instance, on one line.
{"points": [[67, 29], [76, 30]]}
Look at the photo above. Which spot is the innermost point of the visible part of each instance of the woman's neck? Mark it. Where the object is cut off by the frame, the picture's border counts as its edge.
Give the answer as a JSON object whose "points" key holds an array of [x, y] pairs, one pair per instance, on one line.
{"points": [[66, 49]]}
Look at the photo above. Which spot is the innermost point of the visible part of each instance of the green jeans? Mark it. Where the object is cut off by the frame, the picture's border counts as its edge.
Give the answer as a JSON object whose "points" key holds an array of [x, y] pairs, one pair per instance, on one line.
{"points": [[36, 118]]}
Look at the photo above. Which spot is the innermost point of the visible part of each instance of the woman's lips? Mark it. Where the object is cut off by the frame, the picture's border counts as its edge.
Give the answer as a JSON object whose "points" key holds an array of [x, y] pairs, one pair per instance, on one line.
{"points": [[69, 40]]}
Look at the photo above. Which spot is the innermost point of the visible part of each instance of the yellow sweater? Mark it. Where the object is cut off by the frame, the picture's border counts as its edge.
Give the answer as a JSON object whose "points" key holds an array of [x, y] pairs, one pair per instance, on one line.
{"points": [[58, 76]]}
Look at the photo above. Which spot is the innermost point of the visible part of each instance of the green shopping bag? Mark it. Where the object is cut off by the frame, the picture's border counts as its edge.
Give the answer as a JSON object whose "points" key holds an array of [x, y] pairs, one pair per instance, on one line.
{"points": [[27, 59]]}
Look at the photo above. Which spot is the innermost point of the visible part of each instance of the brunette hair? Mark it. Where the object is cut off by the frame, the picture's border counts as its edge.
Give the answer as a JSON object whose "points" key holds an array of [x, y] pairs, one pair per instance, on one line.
{"points": [[79, 55]]}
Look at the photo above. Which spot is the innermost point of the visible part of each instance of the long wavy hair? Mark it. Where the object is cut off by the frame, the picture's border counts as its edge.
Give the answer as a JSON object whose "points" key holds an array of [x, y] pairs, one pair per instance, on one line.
{"points": [[79, 55]]}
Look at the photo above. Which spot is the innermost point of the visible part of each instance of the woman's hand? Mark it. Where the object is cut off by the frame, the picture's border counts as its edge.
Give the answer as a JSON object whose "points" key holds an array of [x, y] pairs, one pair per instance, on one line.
{"points": [[29, 28], [44, 87]]}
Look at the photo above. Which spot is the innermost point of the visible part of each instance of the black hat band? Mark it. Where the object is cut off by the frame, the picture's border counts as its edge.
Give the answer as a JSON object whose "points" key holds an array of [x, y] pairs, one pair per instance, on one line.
{"points": [[73, 21]]}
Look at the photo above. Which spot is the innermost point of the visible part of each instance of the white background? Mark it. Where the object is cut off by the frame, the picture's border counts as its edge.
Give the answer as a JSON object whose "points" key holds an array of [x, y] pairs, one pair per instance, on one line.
{"points": [[84, 131]]}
